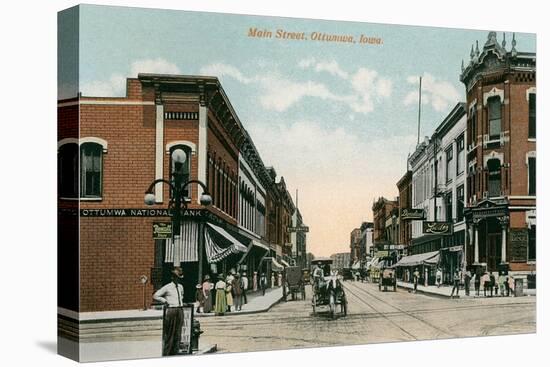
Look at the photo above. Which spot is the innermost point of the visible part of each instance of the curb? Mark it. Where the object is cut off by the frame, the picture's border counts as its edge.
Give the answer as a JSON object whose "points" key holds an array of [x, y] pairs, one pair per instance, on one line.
{"points": [[237, 313], [431, 294]]}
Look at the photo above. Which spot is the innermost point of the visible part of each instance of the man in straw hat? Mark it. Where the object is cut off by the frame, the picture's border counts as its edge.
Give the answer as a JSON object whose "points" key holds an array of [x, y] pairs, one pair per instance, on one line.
{"points": [[171, 296]]}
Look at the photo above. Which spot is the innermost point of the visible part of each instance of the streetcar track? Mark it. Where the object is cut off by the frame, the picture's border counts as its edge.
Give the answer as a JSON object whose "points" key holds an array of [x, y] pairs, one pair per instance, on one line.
{"points": [[381, 313], [435, 327], [281, 319]]}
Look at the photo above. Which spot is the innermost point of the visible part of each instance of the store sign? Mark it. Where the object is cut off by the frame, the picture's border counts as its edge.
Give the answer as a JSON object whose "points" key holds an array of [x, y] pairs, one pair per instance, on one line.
{"points": [[381, 254], [138, 212], [437, 227], [298, 229], [162, 230], [412, 214]]}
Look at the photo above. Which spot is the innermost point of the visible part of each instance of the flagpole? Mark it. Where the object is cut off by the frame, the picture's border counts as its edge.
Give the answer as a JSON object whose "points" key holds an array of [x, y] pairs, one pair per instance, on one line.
{"points": [[419, 109]]}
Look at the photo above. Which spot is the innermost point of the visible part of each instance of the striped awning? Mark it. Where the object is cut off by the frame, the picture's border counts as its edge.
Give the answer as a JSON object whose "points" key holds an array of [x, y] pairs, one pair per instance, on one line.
{"points": [[427, 258], [275, 266], [184, 248], [219, 244]]}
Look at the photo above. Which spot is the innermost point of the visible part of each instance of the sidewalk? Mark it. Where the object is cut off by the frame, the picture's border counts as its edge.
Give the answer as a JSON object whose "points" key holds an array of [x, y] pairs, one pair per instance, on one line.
{"points": [[445, 291], [256, 303]]}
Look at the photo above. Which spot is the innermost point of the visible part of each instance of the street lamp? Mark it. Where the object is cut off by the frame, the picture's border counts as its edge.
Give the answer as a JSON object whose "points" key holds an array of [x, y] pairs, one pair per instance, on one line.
{"points": [[178, 187]]}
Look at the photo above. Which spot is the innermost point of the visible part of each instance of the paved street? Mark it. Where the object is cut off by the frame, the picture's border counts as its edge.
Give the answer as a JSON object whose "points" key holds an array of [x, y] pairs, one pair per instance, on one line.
{"points": [[373, 317]]}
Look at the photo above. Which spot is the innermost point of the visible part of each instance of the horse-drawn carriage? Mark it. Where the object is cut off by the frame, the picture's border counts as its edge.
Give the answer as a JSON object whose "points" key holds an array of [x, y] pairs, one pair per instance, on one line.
{"points": [[328, 291], [294, 283], [387, 279]]}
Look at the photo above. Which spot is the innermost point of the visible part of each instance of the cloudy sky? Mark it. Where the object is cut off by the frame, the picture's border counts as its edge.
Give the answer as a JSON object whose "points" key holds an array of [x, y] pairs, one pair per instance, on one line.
{"points": [[336, 120]]}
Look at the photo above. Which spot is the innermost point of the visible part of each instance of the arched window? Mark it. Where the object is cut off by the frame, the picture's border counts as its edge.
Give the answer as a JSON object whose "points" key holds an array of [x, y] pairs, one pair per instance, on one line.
{"points": [[493, 168], [495, 117], [184, 168], [91, 167], [68, 171]]}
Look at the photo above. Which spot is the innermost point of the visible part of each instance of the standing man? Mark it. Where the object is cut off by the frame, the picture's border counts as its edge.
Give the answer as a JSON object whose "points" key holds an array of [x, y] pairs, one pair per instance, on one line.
{"points": [[171, 296], [438, 277], [416, 275], [477, 281], [263, 283], [467, 279], [456, 284], [245, 287]]}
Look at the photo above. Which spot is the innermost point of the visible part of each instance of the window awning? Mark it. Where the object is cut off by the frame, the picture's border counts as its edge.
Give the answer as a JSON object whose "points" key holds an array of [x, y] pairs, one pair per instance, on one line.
{"points": [[184, 248], [428, 258], [285, 263], [219, 244], [275, 266]]}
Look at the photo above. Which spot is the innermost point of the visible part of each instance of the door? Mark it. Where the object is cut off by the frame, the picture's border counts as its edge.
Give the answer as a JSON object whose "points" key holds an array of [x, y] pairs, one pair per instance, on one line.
{"points": [[493, 258]]}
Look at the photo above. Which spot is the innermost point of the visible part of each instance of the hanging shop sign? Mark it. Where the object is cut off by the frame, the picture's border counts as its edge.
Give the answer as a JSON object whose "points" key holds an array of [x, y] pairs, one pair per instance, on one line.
{"points": [[298, 229], [437, 227], [162, 230], [412, 214]]}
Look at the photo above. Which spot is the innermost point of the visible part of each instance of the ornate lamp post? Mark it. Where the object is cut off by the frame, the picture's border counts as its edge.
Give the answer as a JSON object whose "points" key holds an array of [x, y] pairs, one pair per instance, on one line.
{"points": [[178, 188]]}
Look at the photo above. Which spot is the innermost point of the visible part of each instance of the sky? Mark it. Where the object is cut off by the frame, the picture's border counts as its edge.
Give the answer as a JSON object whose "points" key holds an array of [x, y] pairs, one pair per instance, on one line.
{"points": [[336, 120]]}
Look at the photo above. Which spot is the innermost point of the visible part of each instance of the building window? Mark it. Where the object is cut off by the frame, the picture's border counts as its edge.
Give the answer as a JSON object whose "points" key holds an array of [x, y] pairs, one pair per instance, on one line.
{"points": [[532, 181], [495, 116], [90, 170], [460, 203], [460, 155], [532, 116], [532, 246], [68, 170], [449, 154], [473, 126], [493, 167], [184, 168], [449, 207]]}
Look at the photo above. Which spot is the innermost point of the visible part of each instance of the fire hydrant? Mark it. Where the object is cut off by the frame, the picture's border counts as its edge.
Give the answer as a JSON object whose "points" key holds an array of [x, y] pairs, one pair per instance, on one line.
{"points": [[195, 335]]}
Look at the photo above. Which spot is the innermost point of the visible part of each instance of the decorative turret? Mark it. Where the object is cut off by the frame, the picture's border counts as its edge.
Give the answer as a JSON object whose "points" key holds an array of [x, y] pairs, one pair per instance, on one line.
{"points": [[494, 57], [514, 51]]}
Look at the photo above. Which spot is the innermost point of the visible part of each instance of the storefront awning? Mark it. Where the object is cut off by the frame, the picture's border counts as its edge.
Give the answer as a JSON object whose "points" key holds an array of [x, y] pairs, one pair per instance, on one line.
{"points": [[428, 258], [259, 247], [219, 244], [285, 263], [275, 266]]}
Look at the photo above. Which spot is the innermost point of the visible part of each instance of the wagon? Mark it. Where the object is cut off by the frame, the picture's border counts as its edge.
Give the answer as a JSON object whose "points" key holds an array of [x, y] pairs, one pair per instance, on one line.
{"points": [[387, 279], [329, 294], [294, 283]]}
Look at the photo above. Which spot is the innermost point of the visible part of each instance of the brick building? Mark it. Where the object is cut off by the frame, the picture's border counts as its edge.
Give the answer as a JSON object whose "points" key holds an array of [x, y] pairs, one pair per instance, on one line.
{"points": [[501, 157], [111, 149], [383, 211], [404, 186], [355, 245]]}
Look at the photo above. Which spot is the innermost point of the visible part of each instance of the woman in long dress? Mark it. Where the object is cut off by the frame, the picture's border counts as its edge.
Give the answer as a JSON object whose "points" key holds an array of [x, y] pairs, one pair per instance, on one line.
{"points": [[229, 291], [206, 286], [221, 302], [237, 291]]}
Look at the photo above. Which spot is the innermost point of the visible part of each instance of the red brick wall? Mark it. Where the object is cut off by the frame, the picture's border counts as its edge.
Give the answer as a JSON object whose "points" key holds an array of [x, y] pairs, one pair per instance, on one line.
{"points": [[115, 252]]}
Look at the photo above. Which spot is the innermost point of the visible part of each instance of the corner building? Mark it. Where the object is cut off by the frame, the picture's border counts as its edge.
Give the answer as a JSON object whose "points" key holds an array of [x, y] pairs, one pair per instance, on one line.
{"points": [[111, 149], [501, 158]]}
